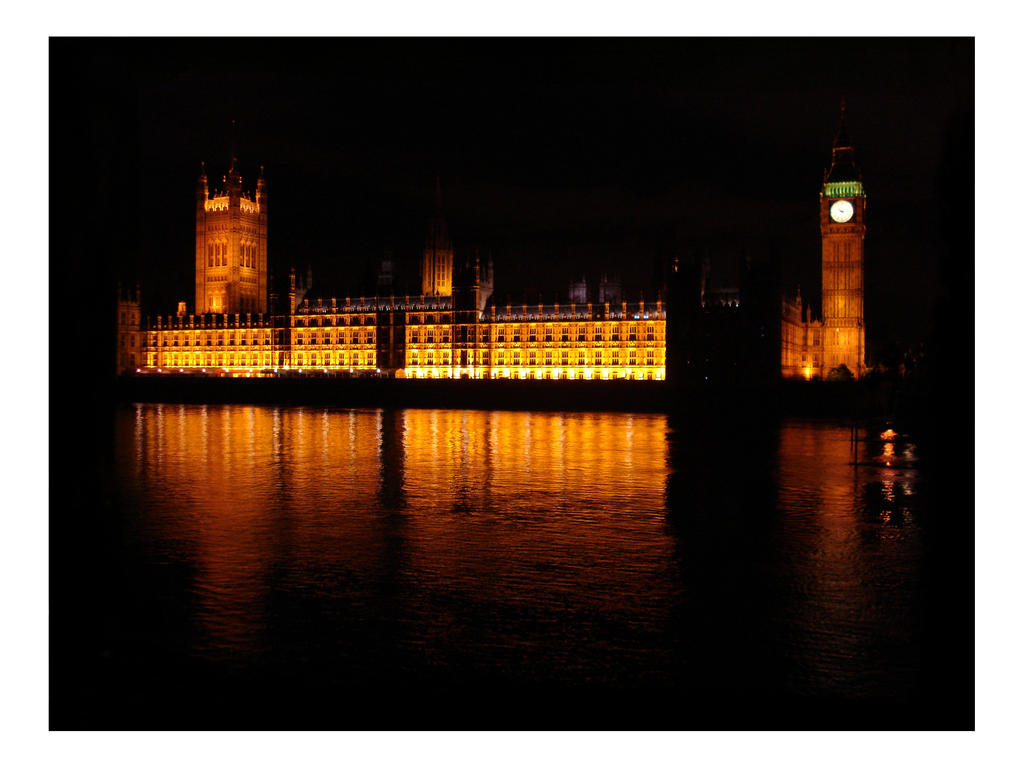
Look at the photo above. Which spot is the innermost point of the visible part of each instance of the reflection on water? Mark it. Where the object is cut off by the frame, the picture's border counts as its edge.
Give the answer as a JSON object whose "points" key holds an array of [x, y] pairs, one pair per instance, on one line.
{"points": [[437, 545], [851, 556]]}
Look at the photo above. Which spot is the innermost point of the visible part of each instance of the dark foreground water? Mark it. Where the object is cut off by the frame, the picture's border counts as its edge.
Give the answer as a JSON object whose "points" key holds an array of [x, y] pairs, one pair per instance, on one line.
{"points": [[311, 567]]}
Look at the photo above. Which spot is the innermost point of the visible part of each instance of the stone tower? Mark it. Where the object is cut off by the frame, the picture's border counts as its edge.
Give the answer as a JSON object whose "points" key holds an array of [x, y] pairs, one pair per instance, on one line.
{"points": [[231, 245], [438, 255], [129, 337], [842, 205]]}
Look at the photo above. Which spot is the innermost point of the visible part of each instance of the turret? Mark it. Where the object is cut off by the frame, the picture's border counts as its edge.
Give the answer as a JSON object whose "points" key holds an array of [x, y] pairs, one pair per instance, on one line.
{"points": [[129, 323], [261, 192], [202, 189]]}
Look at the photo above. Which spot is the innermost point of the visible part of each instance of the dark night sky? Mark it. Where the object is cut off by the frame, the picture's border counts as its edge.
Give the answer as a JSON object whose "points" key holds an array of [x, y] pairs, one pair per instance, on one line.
{"points": [[561, 157]]}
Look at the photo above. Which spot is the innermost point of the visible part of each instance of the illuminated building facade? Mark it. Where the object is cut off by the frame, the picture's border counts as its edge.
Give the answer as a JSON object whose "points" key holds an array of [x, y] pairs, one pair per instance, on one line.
{"points": [[418, 337], [231, 246], [452, 330], [811, 348]]}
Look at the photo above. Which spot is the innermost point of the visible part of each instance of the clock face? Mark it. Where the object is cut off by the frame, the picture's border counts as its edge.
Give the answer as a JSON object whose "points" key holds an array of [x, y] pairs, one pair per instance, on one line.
{"points": [[841, 211]]}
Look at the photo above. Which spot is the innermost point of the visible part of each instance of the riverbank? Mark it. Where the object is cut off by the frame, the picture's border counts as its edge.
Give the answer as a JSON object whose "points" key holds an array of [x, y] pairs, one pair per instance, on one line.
{"points": [[791, 398]]}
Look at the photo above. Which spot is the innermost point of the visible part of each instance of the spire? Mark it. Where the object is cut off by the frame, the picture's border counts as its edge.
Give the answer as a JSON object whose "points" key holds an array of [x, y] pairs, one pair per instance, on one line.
{"points": [[841, 139], [843, 167], [233, 150], [233, 179], [261, 191], [202, 190]]}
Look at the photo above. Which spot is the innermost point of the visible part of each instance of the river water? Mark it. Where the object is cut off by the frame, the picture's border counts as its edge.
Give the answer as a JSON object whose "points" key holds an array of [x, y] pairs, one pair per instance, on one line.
{"points": [[278, 551]]}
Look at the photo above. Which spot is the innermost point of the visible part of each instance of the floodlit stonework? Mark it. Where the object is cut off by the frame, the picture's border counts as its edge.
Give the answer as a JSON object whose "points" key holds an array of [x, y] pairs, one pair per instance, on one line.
{"points": [[814, 347]]}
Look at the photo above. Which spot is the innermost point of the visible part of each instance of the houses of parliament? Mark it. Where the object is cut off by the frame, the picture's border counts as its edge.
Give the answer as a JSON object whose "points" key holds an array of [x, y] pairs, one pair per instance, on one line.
{"points": [[239, 326]]}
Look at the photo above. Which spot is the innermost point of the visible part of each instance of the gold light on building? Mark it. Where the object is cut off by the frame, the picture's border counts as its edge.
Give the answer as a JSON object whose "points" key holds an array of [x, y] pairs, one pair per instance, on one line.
{"points": [[445, 332]]}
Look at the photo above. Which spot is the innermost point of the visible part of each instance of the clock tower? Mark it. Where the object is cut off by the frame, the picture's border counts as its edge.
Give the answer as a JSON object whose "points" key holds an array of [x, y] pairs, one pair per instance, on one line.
{"points": [[842, 206]]}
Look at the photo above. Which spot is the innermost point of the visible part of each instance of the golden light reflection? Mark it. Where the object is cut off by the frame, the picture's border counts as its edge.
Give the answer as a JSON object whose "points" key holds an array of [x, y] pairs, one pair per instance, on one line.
{"points": [[889, 490], [888, 453], [845, 523], [491, 500]]}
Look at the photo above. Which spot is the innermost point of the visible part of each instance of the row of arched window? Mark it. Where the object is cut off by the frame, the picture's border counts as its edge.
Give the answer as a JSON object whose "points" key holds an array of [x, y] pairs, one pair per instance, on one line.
{"points": [[217, 254]]}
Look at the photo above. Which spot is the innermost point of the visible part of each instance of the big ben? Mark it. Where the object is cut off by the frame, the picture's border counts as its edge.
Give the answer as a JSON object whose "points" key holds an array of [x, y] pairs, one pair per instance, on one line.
{"points": [[842, 212]]}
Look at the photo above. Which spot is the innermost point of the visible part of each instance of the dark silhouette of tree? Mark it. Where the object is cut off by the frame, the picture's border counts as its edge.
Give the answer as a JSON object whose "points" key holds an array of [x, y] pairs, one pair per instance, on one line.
{"points": [[840, 373]]}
